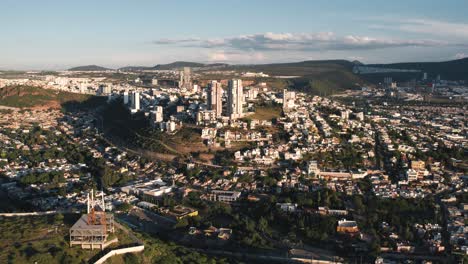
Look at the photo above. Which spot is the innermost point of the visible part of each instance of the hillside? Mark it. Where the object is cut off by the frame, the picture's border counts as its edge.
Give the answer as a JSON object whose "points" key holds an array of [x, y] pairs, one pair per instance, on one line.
{"points": [[89, 68], [36, 97], [297, 68], [449, 70], [135, 68], [177, 64], [322, 77]]}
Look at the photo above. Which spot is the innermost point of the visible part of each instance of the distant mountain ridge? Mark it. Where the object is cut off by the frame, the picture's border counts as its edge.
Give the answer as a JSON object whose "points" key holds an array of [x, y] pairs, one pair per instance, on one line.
{"points": [[178, 64], [172, 66], [449, 70], [89, 68], [323, 76]]}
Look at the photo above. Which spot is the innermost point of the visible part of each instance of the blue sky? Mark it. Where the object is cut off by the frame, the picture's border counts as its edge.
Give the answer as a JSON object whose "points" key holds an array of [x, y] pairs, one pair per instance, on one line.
{"points": [[59, 34]]}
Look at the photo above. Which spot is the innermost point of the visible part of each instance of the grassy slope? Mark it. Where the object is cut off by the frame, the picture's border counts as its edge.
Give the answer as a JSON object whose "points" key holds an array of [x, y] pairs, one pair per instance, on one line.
{"points": [[89, 68], [31, 239], [314, 77], [451, 70], [266, 112], [28, 96]]}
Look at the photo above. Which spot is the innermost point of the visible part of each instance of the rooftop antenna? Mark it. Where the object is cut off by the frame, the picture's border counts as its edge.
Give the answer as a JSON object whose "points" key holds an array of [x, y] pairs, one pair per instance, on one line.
{"points": [[88, 203], [103, 203]]}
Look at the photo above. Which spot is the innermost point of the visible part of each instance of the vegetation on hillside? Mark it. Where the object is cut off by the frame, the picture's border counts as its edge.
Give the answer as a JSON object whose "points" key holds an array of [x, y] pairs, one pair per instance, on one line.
{"points": [[44, 239], [30, 96], [89, 68], [449, 70], [314, 77], [267, 112], [39, 239]]}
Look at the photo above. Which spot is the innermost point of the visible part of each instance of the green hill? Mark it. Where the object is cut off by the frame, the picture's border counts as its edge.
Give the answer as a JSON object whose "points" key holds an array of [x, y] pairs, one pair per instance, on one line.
{"points": [[177, 64], [30, 96], [323, 77], [89, 68], [316, 77], [448, 70]]}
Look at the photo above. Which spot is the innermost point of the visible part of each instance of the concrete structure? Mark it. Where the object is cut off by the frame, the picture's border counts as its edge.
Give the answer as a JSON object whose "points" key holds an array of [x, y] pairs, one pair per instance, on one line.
{"points": [[312, 168], [222, 196], [252, 93], [289, 98], [148, 190], [119, 252], [215, 93], [159, 114], [347, 227], [418, 165], [411, 175], [235, 101], [206, 117], [360, 116], [345, 114], [125, 97], [92, 229], [185, 80], [135, 101], [92, 234]]}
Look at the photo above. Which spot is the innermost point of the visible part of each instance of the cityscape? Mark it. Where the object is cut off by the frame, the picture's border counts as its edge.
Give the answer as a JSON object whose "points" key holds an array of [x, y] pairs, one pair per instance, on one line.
{"points": [[282, 148]]}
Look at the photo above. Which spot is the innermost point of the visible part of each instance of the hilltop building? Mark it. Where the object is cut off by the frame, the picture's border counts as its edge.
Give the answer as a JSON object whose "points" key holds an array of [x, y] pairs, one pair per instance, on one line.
{"points": [[92, 229]]}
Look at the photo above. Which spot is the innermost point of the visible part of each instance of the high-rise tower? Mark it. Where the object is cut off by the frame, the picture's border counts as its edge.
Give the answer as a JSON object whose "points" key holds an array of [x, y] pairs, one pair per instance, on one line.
{"points": [[215, 92], [235, 98]]}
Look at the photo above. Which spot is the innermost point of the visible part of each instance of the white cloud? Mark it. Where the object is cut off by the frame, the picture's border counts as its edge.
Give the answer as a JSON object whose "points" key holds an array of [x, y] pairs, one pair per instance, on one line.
{"points": [[435, 27], [237, 57], [218, 56], [460, 55], [356, 58], [431, 27], [300, 42], [174, 41]]}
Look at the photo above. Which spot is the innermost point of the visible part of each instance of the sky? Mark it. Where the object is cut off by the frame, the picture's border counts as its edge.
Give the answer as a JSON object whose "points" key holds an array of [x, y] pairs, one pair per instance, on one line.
{"points": [[53, 35]]}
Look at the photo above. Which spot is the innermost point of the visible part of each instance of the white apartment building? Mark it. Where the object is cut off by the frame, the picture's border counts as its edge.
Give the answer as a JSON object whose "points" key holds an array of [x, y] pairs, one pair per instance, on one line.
{"points": [[289, 98], [235, 100], [135, 101], [215, 93]]}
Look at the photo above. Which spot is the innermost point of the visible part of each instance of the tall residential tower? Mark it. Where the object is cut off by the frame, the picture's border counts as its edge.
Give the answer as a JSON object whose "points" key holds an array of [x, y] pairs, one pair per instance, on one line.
{"points": [[235, 98], [215, 93], [185, 80]]}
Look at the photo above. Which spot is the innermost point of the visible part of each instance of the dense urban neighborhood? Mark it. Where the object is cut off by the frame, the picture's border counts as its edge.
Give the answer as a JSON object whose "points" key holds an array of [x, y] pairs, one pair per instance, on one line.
{"points": [[237, 168]]}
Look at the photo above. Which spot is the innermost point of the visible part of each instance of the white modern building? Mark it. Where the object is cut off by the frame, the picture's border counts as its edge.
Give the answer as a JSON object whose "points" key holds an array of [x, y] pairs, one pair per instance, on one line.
{"points": [[185, 80], [135, 101], [235, 100], [125, 97], [289, 98], [159, 114], [215, 93]]}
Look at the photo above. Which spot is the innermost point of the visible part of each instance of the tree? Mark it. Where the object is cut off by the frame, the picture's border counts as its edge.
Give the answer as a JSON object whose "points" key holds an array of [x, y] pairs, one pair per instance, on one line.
{"points": [[182, 223], [58, 218], [124, 207]]}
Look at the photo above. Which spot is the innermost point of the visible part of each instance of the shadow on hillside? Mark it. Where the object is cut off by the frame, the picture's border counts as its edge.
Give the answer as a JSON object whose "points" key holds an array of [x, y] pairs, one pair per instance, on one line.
{"points": [[88, 104]]}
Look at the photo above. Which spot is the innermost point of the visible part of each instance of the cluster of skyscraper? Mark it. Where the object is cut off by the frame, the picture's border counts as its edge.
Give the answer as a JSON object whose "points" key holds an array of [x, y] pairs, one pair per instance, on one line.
{"points": [[235, 98], [133, 100]]}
